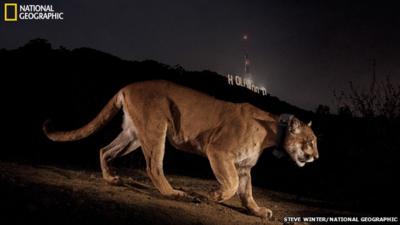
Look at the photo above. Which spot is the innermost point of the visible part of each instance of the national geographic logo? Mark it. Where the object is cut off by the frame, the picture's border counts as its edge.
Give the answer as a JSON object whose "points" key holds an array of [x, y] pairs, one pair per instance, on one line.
{"points": [[10, 12], [14, 12]]}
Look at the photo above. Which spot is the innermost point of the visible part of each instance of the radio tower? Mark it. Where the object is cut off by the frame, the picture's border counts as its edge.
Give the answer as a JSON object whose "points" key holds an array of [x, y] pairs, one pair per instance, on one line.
{"points": [[247, 73]]}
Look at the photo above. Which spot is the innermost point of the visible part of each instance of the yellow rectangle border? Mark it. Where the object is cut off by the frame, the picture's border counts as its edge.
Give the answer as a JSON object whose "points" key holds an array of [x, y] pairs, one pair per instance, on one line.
{"points": [[6, 18]]}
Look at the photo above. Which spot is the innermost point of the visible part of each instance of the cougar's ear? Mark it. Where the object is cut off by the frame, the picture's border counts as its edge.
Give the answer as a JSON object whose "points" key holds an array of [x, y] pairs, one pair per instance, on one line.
{"points": [[294, 126], [309, 123]]}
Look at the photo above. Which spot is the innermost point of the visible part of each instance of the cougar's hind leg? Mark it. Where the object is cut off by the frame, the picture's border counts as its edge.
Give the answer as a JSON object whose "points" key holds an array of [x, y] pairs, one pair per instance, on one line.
{"points": [[125, 143]]}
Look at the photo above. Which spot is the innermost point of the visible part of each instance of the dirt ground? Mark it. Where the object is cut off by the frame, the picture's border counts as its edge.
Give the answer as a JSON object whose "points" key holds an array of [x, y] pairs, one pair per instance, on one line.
{"points": [[52, 195]]}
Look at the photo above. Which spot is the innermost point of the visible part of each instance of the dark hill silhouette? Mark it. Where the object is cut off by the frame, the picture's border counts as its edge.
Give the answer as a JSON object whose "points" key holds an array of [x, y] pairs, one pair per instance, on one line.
{"points": [[356, 169]]}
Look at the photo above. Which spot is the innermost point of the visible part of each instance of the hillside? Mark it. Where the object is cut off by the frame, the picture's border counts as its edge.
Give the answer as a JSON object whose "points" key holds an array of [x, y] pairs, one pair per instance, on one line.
{"points": [[55, 195]]}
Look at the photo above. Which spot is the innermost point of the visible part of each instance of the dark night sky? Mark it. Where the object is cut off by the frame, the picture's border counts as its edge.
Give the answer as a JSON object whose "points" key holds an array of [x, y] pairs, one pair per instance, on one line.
{"points": [[300, 50]]}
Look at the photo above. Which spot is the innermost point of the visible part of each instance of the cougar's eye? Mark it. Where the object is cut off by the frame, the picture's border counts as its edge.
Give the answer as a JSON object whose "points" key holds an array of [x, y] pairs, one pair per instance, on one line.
{"points": [[307, 142]]}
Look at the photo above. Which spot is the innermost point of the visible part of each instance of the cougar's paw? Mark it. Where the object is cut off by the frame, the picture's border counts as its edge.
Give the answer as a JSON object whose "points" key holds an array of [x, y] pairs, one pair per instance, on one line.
{"points": [[222, 196], [217, 196], [262, 212], [113, 180], [183, 196], [176, 194]]}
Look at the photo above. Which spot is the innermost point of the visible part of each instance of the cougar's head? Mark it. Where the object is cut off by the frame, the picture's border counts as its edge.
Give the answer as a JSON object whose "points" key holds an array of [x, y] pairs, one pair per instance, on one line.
{"points": [[300, 142]]}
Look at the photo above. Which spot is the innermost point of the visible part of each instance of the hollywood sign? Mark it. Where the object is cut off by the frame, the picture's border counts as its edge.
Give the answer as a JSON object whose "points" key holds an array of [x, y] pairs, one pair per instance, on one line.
{"points": [[247, 83]]}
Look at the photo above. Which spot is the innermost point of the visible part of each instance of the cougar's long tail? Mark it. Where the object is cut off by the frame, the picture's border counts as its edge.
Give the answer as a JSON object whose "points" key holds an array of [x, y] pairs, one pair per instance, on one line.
{"points": [[106, 114]]}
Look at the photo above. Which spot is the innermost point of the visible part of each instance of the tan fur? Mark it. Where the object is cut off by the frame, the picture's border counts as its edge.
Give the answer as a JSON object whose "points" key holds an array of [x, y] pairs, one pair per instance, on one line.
{"points": [[232, 136]]}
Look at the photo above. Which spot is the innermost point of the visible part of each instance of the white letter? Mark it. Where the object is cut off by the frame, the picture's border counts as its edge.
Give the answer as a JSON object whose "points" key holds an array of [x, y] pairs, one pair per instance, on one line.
{"points": [[238, 81], [230, 79]]}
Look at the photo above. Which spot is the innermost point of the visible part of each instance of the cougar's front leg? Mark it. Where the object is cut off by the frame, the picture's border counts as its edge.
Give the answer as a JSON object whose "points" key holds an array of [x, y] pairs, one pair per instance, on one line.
{"points": [[226, 174], [153, 147], [246, 195]]}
